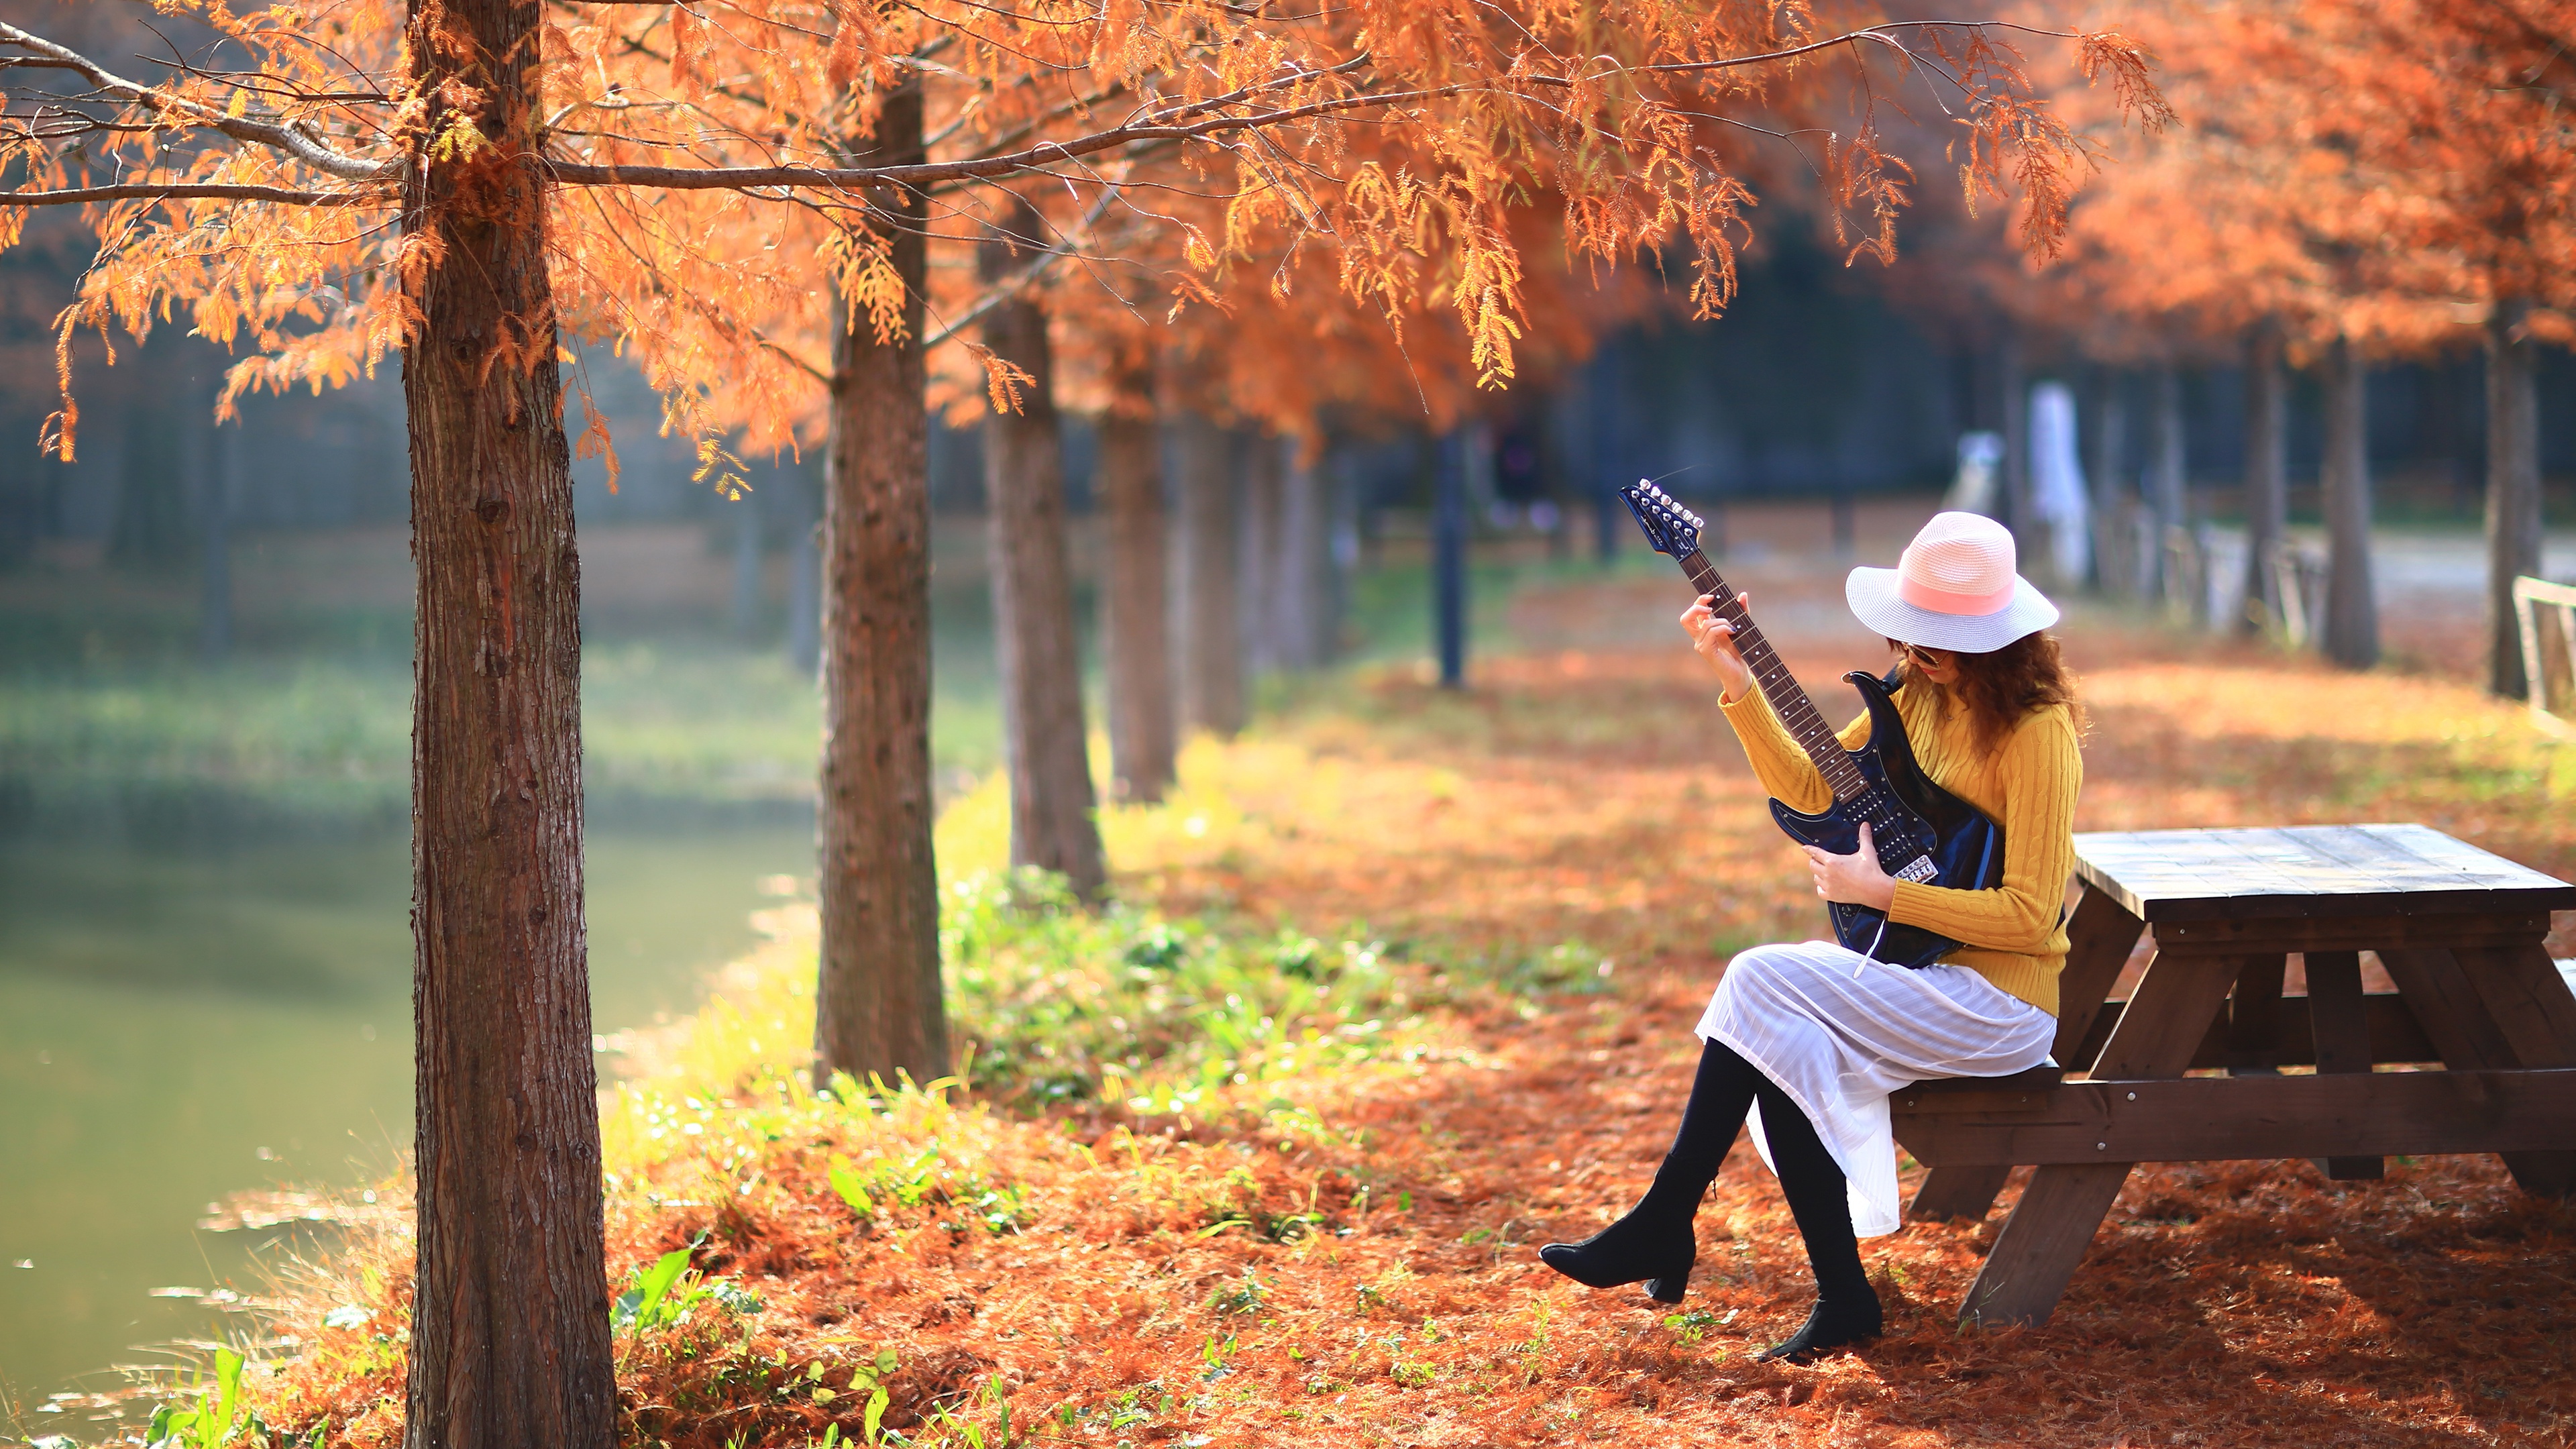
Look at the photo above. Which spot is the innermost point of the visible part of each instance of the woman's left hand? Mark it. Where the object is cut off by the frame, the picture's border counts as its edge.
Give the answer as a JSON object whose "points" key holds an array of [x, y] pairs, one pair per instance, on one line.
{"points": [[1855, 879]]}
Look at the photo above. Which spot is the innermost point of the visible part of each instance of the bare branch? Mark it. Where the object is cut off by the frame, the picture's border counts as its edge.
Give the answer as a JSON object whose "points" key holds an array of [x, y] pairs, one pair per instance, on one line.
{"points": [[297, 143], [185, 191]]}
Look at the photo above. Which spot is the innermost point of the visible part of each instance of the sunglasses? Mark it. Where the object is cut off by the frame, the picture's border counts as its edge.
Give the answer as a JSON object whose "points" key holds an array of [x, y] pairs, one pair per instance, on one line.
{"points": [[1928, 658]]}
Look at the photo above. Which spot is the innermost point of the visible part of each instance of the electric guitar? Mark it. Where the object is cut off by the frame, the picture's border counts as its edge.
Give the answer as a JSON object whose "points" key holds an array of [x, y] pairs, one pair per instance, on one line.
{"points": [[1923, 832]]}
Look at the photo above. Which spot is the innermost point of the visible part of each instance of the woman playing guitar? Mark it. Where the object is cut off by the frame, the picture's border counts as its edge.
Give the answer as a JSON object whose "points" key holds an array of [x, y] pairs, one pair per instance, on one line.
{"points": [[1810, 1039]]}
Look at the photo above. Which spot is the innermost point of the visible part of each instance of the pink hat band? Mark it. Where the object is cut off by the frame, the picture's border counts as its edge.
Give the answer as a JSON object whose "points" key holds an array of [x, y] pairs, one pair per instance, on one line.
{"points": [[1948, 601], [1959, 564]]}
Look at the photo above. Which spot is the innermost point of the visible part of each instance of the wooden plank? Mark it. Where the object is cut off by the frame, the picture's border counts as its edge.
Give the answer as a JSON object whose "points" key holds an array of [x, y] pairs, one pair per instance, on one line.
{"points": [[2099, 938], [2215, 1119], [1957, 1192], [2253, 1029], [2166, 1017], [2394, 1035], [2041, 1243], [2355, 932], [2528, 1000], [2339, 1035], [2174, 875], [2455, 1015]]}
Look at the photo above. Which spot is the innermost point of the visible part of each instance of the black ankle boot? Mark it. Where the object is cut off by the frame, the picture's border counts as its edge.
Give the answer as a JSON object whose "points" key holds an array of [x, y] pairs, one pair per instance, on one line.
{"points": [[1830, 1325], [1652, 1244]]}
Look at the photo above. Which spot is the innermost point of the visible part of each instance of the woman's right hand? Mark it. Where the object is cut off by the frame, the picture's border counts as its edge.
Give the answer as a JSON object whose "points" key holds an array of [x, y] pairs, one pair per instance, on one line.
{"points": [[1714, 638]]}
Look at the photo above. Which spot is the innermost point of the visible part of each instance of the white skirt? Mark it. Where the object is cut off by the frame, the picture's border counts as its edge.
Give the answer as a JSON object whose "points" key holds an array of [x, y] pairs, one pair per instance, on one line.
{"points": [[1838, 1032]]}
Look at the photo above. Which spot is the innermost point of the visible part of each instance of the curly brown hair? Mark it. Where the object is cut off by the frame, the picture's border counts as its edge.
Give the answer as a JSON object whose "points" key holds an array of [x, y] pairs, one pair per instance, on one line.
{"points": [[2000, 687]]}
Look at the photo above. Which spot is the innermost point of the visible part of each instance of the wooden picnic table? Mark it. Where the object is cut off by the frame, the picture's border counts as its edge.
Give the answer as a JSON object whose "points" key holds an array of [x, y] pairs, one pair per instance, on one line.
{"points": [[2460, 933]]}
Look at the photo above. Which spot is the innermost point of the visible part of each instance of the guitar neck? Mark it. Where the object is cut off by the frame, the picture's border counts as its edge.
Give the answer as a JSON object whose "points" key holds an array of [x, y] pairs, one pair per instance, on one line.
{"points": [[1788, 698]]}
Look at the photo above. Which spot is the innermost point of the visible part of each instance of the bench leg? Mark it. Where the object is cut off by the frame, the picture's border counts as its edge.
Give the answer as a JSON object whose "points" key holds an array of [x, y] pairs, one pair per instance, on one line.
{"points": [[1957, 1192], [2468, 1034], [2041, 1243], [2341, 1032]]}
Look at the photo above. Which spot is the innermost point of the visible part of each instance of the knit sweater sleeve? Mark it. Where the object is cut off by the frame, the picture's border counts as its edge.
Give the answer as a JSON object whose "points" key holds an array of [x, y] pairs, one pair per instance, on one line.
{"points": [[2042, 771], [1783, 768]]}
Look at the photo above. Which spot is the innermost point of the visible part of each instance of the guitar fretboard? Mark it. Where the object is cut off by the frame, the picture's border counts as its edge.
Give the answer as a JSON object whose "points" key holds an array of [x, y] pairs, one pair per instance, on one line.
{"points": [[1788, 698]]}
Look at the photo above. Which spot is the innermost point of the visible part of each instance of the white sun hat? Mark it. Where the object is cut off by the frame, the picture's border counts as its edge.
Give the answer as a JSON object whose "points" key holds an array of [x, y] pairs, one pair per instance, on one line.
{"points": [[1954, 588]]}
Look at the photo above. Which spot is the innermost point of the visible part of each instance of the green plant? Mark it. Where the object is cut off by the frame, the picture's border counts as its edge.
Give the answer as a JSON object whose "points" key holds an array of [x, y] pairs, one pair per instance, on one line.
{"points": [[1244, 1297], [214, 1416], [663, 1295], [1689, 1328]]}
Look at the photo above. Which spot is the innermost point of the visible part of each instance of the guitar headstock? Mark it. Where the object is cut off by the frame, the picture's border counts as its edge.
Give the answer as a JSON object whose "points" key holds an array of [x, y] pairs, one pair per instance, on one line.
{"points": [[1669, 527]]}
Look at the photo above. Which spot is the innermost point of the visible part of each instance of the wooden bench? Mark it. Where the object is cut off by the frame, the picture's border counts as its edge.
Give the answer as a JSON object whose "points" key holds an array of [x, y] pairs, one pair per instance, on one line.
{"points": [[2460, 933]]}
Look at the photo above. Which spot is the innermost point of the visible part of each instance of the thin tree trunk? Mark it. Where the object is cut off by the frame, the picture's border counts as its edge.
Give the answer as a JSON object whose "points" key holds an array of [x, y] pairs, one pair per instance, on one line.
{"points": [[1306, 567], [2267, 476], [2167, 507], [745, 609], [509, 1328], [1449, 558], [215, 541], [877, 1005], [1265, 486], [2352, 613], [804, 574], [1210, 631], [1135, 605], [2513, 486], [1045, 741], [2115, 553], [2021, 515]]}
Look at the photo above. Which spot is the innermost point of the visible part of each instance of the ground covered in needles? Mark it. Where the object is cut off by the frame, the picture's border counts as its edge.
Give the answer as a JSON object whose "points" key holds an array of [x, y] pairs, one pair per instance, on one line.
{"points": [[1399, 987]]}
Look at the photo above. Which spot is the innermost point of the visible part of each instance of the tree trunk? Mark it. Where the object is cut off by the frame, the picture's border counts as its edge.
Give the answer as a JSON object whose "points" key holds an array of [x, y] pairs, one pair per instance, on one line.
{"points": [[2267, 476], [215, 539], [509, 1330], [2021, 515], [1449, 559], [1210, 630], [2115, 553], [1265, 506], [150, 534], [2352, 614], [804, 574], [2513, 486], [1305, 604], [1045, 742], [2166, 504], [877, 1006], [1135, 606], [745, 607]]}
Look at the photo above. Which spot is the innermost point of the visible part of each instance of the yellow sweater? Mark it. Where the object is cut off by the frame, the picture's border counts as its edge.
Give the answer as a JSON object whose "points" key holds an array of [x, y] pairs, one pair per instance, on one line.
{"points": [[2014, 935]]}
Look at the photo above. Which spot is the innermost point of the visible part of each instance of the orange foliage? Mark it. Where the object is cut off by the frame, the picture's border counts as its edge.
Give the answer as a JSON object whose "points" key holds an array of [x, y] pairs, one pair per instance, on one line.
{"points": [[1198, 154]]}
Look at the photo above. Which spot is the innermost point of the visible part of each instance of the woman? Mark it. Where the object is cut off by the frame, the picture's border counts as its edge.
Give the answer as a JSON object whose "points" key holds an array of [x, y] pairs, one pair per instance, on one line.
{"points": [[1816, 1036]]}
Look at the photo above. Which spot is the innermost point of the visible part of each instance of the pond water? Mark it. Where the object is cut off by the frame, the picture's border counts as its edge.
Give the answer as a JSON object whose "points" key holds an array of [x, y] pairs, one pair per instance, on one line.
{"points": [[184, 1020]]}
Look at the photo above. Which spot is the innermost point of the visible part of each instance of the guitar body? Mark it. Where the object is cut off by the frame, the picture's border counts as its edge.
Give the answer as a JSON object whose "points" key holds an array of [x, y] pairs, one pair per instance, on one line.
{"points": [[1923, 832], [1964, 848]]}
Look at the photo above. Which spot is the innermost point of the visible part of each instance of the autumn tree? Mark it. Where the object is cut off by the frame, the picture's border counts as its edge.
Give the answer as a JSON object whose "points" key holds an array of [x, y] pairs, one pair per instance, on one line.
{"points": [[745, 194]]}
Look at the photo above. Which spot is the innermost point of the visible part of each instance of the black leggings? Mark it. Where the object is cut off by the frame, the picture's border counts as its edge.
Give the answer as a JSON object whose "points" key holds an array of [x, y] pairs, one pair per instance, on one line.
{"points": [[1726, 1087]]}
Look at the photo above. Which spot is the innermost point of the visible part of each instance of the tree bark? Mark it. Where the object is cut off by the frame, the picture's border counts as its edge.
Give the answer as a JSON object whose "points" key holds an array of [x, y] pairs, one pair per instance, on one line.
{"points": [[509, 1331], [1210, 632], [877, 1004], [2115, 553], [2513, 486], [1135, 605], [1045, 742], [1265, 483], [2267, 476], [2352, 612], [1449, 559], [2166, 504]]}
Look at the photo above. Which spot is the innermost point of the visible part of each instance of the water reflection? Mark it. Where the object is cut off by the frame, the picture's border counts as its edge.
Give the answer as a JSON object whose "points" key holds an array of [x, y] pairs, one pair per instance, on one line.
{"points": [[180, 1020]]}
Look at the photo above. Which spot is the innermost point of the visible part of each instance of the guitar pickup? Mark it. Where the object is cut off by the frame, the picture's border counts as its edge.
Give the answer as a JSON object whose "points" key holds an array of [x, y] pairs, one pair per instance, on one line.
{"points": [[1919, 870]]}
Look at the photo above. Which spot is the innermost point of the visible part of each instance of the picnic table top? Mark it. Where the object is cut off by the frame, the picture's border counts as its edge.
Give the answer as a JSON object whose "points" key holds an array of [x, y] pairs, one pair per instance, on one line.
{"points": [[2313, 870]]}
